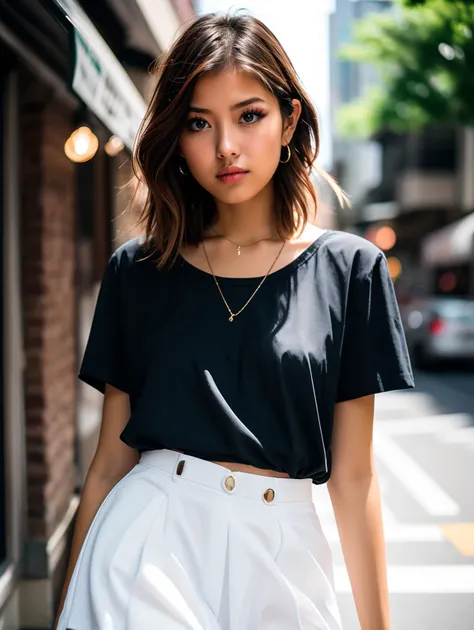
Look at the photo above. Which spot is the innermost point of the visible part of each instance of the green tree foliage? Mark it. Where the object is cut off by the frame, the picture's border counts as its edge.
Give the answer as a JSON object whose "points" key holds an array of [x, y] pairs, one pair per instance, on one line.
{"points": [[425, 57], [414, 3]]}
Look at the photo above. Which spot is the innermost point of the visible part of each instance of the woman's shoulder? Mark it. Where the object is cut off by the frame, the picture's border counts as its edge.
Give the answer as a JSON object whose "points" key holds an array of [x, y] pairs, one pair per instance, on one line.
{"points": [[136, 259], [130, 253], [351, 251], [134, 266]]}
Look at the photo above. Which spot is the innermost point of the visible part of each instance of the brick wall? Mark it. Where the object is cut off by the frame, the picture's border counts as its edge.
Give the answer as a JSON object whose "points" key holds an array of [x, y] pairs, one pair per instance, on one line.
{"points": [[48, 277]]}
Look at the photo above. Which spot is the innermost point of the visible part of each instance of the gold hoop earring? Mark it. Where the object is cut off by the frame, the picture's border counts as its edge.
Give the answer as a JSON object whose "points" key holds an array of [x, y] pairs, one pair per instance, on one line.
{"points": [[289, 156], [180, 169]]}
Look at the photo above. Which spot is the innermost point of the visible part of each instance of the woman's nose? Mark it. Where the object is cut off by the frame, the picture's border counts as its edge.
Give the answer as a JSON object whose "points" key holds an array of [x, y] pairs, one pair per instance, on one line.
{"points": [[227, 145]]}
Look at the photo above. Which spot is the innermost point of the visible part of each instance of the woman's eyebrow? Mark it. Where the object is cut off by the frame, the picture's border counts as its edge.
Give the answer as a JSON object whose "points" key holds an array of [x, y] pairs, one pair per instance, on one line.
{"points": [[249, 101]]}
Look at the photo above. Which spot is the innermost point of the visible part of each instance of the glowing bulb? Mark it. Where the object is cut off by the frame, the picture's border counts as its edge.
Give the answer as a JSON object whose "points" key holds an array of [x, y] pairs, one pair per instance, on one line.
{"points": [[81, 145], [113, 146], [385, 237], [394, 267]]}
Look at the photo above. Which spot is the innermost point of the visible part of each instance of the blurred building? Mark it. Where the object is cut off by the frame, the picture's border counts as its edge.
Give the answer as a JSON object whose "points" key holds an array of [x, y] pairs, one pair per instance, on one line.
{"points": [[417, 184], [448, 252], [356, 163], [64, 65], [426, 194]]}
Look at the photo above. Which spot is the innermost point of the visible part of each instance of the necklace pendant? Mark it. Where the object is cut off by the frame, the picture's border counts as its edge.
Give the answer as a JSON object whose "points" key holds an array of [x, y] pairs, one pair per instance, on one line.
{"points": [[238, 251], [231, 318]]}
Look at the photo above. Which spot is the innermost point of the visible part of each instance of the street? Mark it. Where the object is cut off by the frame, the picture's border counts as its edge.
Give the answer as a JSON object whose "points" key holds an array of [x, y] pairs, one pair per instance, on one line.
{"points": [[424, 448]]}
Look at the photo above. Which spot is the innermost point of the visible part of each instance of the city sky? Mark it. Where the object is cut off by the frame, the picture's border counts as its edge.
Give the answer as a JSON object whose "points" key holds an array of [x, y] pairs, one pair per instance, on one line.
{"points": [[302, 28]]}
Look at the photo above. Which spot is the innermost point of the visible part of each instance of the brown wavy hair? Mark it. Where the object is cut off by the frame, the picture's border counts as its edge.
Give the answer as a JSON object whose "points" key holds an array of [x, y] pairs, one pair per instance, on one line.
{"points": [[178, 210]]}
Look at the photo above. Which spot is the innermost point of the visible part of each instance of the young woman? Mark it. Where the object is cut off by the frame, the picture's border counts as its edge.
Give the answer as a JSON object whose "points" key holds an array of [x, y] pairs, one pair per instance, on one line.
{"points": [[239, 348]]}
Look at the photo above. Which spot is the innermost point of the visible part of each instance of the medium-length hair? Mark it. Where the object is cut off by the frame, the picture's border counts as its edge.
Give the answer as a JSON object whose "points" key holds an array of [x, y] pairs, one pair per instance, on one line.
{"points": [[177, 209]]}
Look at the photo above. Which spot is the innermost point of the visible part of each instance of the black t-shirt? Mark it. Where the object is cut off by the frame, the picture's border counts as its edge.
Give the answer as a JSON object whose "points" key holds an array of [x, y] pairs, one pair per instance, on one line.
{"points": [[260, 390]]}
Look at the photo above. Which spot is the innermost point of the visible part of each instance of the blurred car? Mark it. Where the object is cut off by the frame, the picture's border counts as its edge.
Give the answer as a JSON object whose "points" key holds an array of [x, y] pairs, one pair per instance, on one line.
{"points": [[439, 328]]}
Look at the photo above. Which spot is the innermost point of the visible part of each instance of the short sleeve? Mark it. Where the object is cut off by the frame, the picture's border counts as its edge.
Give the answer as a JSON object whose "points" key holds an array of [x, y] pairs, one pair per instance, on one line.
{"points": [[103, 360], [374, 355]]}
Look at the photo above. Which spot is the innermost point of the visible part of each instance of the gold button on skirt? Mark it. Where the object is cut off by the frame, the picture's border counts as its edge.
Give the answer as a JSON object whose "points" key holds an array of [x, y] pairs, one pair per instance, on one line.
{"points": [[229, 483], [269, 495]]}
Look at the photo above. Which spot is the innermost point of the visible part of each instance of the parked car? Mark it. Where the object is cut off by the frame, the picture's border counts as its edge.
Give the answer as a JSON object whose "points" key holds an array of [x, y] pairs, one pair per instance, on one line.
{"points": [[439, 328]]}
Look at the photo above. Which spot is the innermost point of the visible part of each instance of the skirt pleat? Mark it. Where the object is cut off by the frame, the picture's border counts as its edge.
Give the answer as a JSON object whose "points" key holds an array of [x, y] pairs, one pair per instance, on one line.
{"points": [[170, 554]]}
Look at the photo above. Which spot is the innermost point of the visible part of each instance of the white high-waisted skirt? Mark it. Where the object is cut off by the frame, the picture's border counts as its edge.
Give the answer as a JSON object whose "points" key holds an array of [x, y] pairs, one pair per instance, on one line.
{"points": [[181, 543]]}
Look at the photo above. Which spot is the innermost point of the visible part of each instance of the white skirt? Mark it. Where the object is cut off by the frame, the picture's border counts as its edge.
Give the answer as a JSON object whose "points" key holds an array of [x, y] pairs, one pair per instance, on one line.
{"points": [[181, 543]]}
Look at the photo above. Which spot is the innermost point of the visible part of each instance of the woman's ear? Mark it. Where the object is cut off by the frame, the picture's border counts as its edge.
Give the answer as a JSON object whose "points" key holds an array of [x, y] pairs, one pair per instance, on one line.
{"points": [[291, 121]]}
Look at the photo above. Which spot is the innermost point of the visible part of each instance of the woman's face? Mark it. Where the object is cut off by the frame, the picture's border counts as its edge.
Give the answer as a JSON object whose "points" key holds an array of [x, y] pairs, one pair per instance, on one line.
{"points": [[234, 121]]}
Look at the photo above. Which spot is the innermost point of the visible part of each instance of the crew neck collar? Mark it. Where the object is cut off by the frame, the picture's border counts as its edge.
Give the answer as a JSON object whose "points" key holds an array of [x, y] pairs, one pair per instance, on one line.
{"points": [[305, 255]]}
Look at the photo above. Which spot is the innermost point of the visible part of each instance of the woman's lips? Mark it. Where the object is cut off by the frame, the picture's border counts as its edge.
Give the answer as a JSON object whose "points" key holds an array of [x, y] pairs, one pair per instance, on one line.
{"points": [[232, 178]]}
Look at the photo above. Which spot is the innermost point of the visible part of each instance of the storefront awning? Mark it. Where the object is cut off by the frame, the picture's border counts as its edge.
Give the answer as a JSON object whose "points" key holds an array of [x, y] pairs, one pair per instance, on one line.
{"points": [[451, 245], [100, 80]]}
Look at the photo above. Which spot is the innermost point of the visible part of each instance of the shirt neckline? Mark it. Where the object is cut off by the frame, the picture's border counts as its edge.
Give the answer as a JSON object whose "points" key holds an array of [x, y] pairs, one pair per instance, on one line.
{"points": [[305, 255]]}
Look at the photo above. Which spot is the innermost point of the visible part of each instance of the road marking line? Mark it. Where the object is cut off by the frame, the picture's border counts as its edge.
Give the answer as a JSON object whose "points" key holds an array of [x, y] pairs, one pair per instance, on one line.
{"points": [[461, 535], [396, 533], [418, 483], [388, 516], [424, 424], [458, 435], [429, 579]]}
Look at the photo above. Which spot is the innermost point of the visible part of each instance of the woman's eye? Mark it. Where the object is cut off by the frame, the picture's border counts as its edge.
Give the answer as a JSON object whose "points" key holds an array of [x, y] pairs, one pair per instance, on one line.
{"points": [[197, 124], [249, 118], [252, 117]]}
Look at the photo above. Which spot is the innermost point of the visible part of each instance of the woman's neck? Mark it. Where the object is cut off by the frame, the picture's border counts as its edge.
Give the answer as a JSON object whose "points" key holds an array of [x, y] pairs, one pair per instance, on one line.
{"points": [[247, 221]]}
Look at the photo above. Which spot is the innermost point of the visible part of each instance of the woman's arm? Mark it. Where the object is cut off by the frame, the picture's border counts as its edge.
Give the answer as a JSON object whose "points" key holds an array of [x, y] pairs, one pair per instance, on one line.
{"points": [[112, 461], [355, 496]]}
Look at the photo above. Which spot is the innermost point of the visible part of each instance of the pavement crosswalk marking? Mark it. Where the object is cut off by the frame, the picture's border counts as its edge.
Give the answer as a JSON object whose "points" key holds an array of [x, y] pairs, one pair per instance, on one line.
{"points": [[429, 579], [427, 424], [416, 481], [416, 578], [394, 531], [461, 535]]}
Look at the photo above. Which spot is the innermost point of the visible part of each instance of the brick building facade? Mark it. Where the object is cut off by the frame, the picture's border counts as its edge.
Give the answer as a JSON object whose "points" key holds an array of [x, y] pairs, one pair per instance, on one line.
{"points": [[60, 223], [48, 296], [48, 290]]}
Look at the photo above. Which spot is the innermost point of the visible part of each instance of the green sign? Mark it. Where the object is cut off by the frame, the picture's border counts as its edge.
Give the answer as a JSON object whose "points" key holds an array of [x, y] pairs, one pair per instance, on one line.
{"points": [[100, 80]]}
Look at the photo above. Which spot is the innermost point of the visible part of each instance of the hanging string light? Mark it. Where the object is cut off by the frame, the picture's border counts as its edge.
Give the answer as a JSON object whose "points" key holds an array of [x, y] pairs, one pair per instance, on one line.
{"points": [[113, 146], [81, 145]]}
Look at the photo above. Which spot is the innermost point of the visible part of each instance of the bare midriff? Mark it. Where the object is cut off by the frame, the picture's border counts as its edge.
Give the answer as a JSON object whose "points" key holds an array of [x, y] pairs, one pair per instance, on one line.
{"points": [[246, 468]]}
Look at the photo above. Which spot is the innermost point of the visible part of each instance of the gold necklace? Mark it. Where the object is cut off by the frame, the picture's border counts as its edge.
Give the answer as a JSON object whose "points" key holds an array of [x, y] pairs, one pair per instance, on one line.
{"points": [[272, 238], [233, 315]]}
